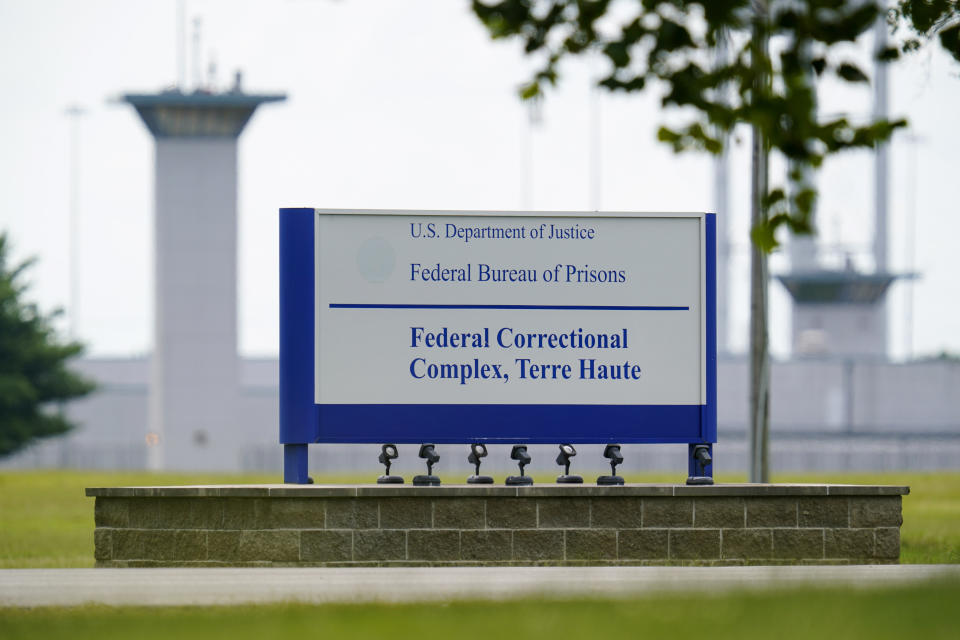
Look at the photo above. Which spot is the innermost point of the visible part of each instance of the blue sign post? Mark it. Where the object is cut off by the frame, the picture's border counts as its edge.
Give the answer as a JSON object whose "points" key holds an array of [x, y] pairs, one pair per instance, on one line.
{"points": [[473, 327]]}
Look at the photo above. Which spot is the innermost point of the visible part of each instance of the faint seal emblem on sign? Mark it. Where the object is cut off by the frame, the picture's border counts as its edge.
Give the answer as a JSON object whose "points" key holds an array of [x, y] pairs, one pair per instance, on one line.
{"points": [[376, 259]]}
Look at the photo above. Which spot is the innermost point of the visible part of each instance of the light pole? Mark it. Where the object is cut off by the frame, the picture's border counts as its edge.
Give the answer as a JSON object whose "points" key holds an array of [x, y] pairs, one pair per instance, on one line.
{"points": [[74, 112], [534, 118]]}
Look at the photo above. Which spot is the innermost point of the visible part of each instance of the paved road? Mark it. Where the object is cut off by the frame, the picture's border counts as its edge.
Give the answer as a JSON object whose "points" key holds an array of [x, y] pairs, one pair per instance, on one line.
{"points": [[162, 587]]}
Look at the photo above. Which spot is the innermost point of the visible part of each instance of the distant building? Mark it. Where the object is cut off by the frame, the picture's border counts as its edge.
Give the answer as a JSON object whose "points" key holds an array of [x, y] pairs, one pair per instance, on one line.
{"points": [[828, 413]]}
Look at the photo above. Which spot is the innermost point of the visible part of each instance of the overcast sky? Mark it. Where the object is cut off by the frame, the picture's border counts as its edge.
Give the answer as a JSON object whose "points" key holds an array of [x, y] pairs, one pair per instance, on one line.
{"points": [[405, 105]]}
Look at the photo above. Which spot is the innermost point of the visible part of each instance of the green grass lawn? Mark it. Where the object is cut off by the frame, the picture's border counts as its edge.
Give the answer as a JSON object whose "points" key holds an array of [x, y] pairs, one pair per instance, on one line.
{"points": [[919, 611], [46, 521]]}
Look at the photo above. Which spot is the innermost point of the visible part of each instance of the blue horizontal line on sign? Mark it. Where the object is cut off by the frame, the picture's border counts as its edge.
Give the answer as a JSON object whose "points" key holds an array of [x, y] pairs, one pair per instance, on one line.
{"points": [[508, 423], [548, 307]]}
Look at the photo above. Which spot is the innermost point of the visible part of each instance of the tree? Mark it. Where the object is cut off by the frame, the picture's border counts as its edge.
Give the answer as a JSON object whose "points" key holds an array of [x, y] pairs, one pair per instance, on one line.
{"points": [[34, 377], [670, 44]]}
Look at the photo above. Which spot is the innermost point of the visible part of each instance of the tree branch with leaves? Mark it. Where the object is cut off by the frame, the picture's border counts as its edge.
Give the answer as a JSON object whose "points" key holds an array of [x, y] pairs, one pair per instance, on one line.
{"points": [[670, 45]]}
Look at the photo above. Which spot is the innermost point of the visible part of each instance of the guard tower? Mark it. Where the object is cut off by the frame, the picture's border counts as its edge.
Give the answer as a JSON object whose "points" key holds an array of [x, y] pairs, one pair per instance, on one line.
{"points": [[839, 312], [194, 377]]}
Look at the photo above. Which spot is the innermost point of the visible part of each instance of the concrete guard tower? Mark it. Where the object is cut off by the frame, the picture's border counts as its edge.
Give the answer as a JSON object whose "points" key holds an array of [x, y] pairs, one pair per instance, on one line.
{"points": [[194, 369], [840, 313]]}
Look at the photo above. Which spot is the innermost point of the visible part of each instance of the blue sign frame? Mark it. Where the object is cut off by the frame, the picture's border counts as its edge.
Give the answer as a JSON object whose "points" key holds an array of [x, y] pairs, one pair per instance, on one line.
{"points": [[303, 422]]}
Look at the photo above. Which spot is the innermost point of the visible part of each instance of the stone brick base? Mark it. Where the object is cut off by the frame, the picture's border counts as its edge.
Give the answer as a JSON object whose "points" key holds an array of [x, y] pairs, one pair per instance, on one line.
{"points": [[282, 525]]}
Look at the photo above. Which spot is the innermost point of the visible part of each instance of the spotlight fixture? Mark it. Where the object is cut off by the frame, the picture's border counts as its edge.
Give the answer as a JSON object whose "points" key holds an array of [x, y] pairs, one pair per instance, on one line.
{"points": [[700, 459], [612, 452], [388, 452], [478, 450], [429, 453], [566, 452], [519, 453]]}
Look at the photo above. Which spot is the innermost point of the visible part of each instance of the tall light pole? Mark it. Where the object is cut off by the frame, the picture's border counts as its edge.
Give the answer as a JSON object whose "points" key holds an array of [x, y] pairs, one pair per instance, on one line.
{"points": [[911, 235], [74, 112], [721, 198], [881, 160], [181, 45], [596, 152], [534, 118]]}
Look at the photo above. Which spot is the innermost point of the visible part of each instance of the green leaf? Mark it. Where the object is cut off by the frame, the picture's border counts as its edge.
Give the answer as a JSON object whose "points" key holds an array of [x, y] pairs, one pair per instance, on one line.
{"points": [[851, 73], [950, 40], [530, 91], [618, 53], [911, 45], [772, 198], [672, 36], [670, 137], [804, 201], [762, 236], [888, 54], [636, 83]]}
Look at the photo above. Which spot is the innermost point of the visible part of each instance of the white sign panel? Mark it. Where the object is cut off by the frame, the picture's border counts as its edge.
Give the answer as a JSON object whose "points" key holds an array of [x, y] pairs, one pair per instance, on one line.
{"points": [[509, 309]]}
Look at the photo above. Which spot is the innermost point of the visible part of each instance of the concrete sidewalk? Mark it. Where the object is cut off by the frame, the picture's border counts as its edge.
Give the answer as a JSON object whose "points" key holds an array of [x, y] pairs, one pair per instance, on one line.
{"points": [[168, 587]]}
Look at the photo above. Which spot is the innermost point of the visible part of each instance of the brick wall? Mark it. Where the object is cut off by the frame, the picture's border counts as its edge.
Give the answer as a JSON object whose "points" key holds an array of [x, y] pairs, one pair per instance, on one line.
{"points": [[357, 526]]}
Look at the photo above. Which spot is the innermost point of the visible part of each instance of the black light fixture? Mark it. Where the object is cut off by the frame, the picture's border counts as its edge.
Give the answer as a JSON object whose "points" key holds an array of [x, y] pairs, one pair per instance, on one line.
{"points": [[429, 453], [519, 453], [700, 459], [566, 452], [612, 452], [388, 453], [478, 450]]}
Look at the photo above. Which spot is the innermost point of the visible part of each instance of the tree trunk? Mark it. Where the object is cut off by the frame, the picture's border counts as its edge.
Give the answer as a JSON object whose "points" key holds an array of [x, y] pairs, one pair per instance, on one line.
{"points": [[759, 338]]}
